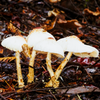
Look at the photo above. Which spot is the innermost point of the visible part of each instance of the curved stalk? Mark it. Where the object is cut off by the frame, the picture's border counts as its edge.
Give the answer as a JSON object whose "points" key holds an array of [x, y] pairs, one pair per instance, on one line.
{"points": [[31, 70], [59, 70], [49, 68]]}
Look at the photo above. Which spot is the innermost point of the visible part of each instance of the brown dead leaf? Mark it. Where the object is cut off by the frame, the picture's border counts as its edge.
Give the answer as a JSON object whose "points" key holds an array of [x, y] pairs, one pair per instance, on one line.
{"points": [[49, 24], [80, 89], [1, 50], [87, 11], [83, 89], [72, 83], [24, 1], [13, 29], [80, 33], [69, 23], [10, 99], [6, 13]]}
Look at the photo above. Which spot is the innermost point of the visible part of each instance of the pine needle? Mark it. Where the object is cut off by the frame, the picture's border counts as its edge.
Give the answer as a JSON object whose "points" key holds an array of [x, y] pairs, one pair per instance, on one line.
{"points": [[7, 59], [79, 97]]}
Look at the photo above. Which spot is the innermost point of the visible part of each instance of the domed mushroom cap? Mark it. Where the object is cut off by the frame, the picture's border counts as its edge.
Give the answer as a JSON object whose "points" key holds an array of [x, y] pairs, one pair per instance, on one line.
{"points": [[36, 35], [75, 45], [14, 43], [49, 45]]}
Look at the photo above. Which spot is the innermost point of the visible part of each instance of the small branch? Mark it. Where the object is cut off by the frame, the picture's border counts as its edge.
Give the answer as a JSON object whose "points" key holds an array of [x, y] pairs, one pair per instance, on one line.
{"points": [[2, 97], [66, 9]]}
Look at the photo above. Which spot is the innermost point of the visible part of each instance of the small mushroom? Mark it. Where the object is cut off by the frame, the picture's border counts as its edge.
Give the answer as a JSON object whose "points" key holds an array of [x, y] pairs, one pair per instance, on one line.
{"points": [[35, 36], [15, 43], [73, 45], [50, 46]]}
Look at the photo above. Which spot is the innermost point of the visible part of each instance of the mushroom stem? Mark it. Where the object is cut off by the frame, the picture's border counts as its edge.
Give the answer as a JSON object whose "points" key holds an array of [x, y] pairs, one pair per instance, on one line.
{"points": [[48, 63], [49, 68], [59, 70], [26, 50], [31, 70], [19, 73]]}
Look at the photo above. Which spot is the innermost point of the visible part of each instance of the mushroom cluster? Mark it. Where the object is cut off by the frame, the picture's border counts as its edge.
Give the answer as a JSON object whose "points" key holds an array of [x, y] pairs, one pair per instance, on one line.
{"points": [[35, 36], [50, 46], [73, 45], [42, 41]]}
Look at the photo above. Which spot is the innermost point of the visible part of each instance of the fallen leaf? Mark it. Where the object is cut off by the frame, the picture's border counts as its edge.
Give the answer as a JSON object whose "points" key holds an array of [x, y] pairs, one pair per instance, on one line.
{"points": [[69, 23], [87, 11], [83, 89], [49, 24], [13, 29], [1, 50], [80, 89]]}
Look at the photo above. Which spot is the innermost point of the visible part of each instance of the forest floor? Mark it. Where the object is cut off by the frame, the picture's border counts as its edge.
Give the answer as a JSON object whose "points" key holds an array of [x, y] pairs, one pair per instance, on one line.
{"points": [[80, 78]]}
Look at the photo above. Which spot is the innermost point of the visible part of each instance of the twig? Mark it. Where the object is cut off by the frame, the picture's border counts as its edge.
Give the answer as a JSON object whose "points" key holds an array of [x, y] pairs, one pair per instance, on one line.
{"points": [[3, 97], [97, 4], [53, 95], [48, 4], [66, 9]]}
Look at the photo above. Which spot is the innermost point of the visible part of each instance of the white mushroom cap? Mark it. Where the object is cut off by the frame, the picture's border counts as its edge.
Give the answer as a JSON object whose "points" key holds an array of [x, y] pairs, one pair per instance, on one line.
{"points": [[49, 45], [75, 45], [36, 35], [14, 43]]}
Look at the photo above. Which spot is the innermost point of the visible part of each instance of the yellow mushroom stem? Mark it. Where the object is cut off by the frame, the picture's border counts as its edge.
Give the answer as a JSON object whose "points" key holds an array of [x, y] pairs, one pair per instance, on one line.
{"points": [[31, 69], [26, 50], [49, 68], [59, 70], [19, 73]]}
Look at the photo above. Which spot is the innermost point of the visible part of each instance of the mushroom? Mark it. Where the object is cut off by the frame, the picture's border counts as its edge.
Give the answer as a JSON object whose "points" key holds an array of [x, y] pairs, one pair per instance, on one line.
{"points": [[73, 45], [50, 46], [35, 36], [15, 43]]}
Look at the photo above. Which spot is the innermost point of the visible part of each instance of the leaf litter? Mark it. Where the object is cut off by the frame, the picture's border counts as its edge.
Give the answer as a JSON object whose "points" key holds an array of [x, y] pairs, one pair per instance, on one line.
{"points": [[80, 75]]}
